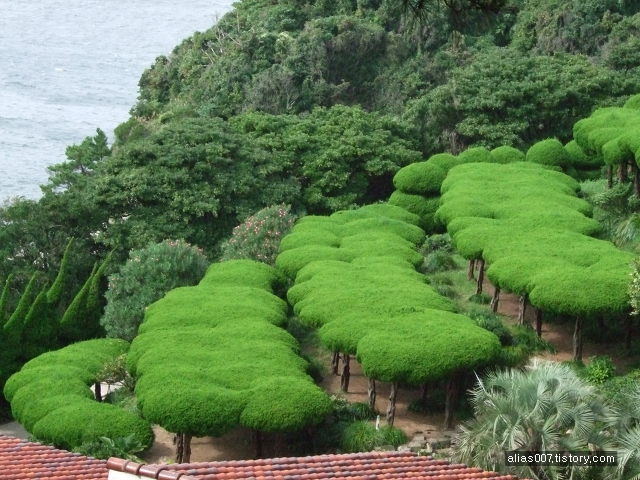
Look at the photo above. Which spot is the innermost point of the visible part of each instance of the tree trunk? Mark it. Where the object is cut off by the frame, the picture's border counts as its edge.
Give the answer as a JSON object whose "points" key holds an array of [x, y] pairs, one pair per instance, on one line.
{"points": [[470, 271], [98, 391], [450, 400], [539, 322], [391, 408], [480, 276], [424, 390], [628, 330], [344, 379], [179, 447], [610, 176], [335, 362], [636, 178], [186, 448], [495, 300], [577, 340], [259, 444], [623, 172], [372, 393], [522, 309]]}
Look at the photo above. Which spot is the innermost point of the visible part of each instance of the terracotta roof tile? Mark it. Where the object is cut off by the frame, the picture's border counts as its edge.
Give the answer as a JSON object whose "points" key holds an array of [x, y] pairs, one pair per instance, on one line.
{"points": [[21, 460], [357, 466]]}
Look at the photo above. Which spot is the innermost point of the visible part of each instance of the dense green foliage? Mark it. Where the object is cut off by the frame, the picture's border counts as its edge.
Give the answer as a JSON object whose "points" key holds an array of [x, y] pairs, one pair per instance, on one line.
{"points": [[528, 224], [317, 104], [50, 397], [545, 407], [258, 237], [363, 293], [362, 436], [147, 276], [212, 357]]}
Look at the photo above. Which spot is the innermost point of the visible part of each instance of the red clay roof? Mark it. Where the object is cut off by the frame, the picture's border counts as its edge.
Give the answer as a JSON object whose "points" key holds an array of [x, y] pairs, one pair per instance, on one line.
{"points": [[20, 460], [357, 466]]}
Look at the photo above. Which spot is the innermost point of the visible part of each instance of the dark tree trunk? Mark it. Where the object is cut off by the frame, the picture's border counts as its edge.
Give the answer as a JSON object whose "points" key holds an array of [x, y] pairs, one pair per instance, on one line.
{"points": [[98, 391], [372, 393], [179, 448], [636, 177], [539, 322], [480, 276], [628, 331], [470, 271], [391, 408], [186, 448], [424, 390], [577, 340], [623, 172], [259, 444], [522, 309], [450, 400], [335, 362], [610, 176], [495, 300], [344, 379]]}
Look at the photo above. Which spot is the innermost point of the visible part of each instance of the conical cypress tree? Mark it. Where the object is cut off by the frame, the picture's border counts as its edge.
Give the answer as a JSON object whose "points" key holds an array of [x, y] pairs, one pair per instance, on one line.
{"points": [[40, 330], [14, 326], [4, 300], [95, 301], [59, 288], [73, 326]]}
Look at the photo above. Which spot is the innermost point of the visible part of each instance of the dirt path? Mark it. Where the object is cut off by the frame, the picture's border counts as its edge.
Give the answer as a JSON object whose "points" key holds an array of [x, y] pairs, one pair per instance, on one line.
{"points": [[561, 335]]}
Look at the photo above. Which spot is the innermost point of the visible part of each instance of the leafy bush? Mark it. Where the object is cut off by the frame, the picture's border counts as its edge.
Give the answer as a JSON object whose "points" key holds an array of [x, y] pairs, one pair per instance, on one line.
{"points": [[258, 237], [440, 242], [492, 322], [480, 298], [438, 261], [528, 339], [105, 448], [146, 277], [599, 370], [362, 436]]}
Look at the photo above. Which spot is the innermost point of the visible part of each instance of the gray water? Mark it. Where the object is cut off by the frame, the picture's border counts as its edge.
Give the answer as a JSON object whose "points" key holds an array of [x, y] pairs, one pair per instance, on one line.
{"points": [[69, 66]]}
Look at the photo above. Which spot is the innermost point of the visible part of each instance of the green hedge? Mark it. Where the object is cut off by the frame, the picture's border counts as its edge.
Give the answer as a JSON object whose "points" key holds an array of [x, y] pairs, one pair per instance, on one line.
{"points": [[51, 398], [213, 357]]}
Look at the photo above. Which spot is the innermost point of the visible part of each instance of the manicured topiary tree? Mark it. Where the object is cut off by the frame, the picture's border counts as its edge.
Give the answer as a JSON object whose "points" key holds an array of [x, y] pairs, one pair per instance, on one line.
{"points": [[213, 357], [506, 154], [52, 399], [73, 325], [59, 295], [40, 332], [4, 300], [528, 224], [359, 303], [15, 324], [549, 152]]}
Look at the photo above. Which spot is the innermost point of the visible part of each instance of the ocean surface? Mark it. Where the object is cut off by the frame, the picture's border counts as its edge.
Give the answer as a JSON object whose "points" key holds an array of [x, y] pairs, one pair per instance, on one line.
{"points": [[70, 66]]}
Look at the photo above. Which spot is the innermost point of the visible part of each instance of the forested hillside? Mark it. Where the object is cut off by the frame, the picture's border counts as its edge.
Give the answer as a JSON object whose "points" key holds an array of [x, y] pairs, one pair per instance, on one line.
{"points": [[317, 104]]}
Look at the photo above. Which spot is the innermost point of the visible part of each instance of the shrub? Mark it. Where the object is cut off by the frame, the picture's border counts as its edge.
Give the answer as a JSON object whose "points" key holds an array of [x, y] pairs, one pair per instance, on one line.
{"points": [[104, 448], [480, 298], [528, 339], [599, 370], [258, 237], [440, 242], [422, 178], [362, 436], [438, 261], [549, 152], [146, 277], [492, 322], [506, 154]]}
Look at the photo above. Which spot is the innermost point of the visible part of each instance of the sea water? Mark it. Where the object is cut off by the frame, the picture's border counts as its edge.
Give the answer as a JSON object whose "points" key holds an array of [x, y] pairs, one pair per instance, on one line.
{"points": [[70, 66]]}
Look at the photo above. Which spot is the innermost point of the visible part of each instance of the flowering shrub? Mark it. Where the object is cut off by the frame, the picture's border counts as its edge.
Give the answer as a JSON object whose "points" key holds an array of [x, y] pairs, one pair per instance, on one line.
{"points": [[258, 237], [146, 277]]}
